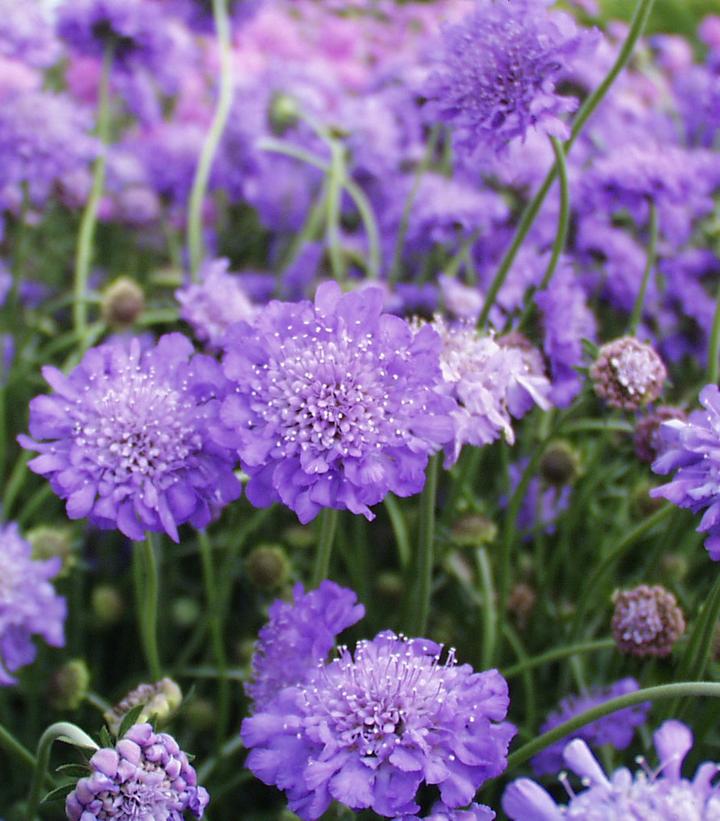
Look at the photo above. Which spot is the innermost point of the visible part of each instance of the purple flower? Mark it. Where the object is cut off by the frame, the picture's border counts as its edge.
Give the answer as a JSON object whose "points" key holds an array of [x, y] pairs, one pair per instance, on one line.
{"points": [[29, 605], [333, 404], [489, 382], [145, 777], [628, 373], [44, 137], [298, 637], [691, 448], [211, 306], [369, 728], [124, 438], [541, 506], [499, 70], [616, 729], [26, 34], [661, 793], [440, 812]]}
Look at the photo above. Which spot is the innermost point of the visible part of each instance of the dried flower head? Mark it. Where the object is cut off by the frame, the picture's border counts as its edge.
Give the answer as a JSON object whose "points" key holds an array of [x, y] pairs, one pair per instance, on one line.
{"points": [[647, 621], [267, 566], [628, 373]]}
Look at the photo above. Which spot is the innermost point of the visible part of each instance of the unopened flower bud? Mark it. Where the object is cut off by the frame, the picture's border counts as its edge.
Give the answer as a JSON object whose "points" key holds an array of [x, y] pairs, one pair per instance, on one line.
{"points": [[159, 701], [674, 566], [560, 464], [48, 542], [646, 439], [284, 113], [200, 714], [473, 530], [122, 303], [647, 621], [185, 611], [69, 685], [267, 567], [108, 605], [390, 586], [300, 536], [628, 373]]}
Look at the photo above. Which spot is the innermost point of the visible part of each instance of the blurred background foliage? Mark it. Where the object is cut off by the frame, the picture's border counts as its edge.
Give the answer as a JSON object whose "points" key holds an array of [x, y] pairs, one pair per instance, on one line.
{"points": [[670, 16]]}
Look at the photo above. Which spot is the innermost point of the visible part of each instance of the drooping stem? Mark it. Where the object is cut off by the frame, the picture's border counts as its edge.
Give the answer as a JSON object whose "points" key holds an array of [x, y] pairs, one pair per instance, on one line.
{"points": [[88, 223], [146, 593], [212, 138], [714, 348], [663, 691], [417, 614], [649, 265], [640, 18], [328, 526], [62, 731], [216, 634]]}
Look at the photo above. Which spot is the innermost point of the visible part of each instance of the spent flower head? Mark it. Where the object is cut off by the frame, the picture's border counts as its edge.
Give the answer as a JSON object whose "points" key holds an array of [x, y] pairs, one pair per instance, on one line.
{"points": [[628, 373], [646, 621]]}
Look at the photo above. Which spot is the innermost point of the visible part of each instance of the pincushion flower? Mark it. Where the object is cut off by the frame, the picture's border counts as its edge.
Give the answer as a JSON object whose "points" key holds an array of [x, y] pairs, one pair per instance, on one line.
{"points": [[661, 794], [145, 777], [29, 605], [369, 728], [298, 636], [26, 34], [498, 72], [333, 404], [616, 729], [628, 373], [124, 438], [691, 449]]}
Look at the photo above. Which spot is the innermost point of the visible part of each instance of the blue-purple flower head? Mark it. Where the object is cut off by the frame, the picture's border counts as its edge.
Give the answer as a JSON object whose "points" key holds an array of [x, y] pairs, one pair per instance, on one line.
{"points": [[145, 777], [29, 605], [692, 449], [371, 727], [26, 34], [215, 303], [616, 729], [298, 636], [498, 73], [124, 438], [660, 794], [333, 404]]}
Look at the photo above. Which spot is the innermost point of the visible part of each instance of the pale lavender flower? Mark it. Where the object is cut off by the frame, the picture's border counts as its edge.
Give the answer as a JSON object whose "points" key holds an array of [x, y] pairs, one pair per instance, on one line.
{"points": [[369, 728], [124, 438], [628, 373], [333, 404], [26, 33], [616, 729], [441, 812], [29, 605], [660, 794], [145, 777]]}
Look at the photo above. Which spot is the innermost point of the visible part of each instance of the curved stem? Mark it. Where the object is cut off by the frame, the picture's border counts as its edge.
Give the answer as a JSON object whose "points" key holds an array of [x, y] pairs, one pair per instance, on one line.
{"points": [[216, 635], [328, 526], [213, 137], [663, 691], [417, 617], [649, 265], [559, 653], [62, 731], [88, 223], [564, 217], [714, 348], [640, 18], [146, 592]]}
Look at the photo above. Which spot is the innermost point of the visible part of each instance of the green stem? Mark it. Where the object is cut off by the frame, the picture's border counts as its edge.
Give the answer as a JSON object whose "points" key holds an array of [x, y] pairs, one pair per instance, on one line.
{"points": [[418, 615], [489, 623], [13, 747], [649, 265], [328, 526], [213, 137], [336, 180], [559, 653], [400, 529], [663, 691], [640, 18], [216, 635], [146, 592], [713, 363], [62, 731], [88, 223]]}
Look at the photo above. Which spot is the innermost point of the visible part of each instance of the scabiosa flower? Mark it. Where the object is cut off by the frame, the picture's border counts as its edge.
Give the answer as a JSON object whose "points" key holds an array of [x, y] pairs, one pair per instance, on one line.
{"points": [[542, 504], [124, 438], [489, 382], [660, 794], [628, 373], [369, 728], [298, 636], [441, 812], [647, 439], [498, 73], [26, 34], [333, 404], [145, 776], [211, 306], [646, 621], [616, 729], [690, 447], [29, 605]]}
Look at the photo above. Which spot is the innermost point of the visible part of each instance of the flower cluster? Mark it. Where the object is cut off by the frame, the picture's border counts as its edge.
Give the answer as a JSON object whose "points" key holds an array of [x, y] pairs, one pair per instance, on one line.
{"points": [[124, 438], [145, 777], [29, 605]]}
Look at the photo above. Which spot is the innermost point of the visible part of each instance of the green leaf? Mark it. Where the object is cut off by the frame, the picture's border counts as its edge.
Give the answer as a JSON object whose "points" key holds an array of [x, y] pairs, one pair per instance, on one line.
{"points": [[130, 718]]}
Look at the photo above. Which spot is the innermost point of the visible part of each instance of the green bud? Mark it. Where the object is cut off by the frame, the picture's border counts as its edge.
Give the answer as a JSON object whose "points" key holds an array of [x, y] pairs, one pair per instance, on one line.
{"points": [[284, 113], [473, 530], [68, 685], [390, 586], [267, 567], [300, 536], [49, 542], [160, 702], [560, 464], [185, 611], [107, 604], [122, 303]]}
